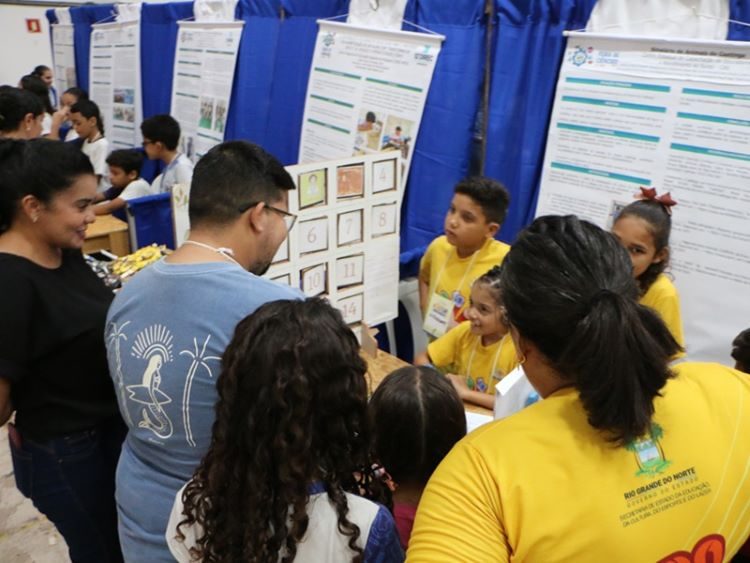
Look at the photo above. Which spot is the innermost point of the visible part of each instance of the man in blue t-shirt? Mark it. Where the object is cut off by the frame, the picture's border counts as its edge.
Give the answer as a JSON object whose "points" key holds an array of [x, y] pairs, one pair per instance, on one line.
{"points": [[168, 328]]}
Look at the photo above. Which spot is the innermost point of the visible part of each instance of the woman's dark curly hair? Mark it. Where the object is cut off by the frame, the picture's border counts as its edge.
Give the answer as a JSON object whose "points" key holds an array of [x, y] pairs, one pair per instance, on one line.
{"points": [[659, 223], [292, 410]]}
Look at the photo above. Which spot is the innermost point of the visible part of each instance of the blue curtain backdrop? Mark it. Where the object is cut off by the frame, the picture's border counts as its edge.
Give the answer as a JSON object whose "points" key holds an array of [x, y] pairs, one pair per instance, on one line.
{"points": [[443, 151], [158, 39], [739, 10], [527, 55], [254, 75]]}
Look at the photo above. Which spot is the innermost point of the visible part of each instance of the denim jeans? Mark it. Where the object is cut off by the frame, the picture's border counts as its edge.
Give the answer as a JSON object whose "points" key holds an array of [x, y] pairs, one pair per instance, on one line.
{"points": [[71, 480]]}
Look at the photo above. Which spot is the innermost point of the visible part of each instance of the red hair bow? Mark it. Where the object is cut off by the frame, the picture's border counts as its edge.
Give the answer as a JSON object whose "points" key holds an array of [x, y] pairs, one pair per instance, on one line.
{"points": [[649, 194]]}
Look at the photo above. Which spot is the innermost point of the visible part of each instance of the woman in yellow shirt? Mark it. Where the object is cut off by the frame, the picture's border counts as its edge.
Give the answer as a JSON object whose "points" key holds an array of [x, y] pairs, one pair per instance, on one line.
{"points": [[643, 228], [625, 459]]}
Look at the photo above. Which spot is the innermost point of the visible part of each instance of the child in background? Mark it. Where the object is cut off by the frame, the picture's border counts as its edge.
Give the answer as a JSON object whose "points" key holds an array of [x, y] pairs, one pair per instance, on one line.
{"points": [[69, 98], [741, 351], [52, 119], [643, 228], [161, 135], [289, 461], [454, 260], [124, 175], [416, 417], [88, 124], [479, 352]]}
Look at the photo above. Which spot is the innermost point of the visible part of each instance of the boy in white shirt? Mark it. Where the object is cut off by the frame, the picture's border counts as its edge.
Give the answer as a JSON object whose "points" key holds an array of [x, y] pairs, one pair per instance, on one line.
{"points": [[161, 135], [124, 174]]}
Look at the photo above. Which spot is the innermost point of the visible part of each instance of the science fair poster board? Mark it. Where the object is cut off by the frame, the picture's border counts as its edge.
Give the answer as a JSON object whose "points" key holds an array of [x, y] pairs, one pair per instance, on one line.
{"points": [[115, 80], [366, 92], [345, 243], [63, 55], [205, 58], [673, 115]]}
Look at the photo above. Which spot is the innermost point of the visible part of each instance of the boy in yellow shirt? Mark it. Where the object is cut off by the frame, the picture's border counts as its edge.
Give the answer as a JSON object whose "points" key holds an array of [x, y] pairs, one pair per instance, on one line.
{"points": [[453, 261]]}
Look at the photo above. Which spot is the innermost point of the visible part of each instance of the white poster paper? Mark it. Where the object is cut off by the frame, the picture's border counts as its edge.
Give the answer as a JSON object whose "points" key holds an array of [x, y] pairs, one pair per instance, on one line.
{"points": [[64, 57], [366, 92], [205, 58], [340, 247], [115, 80], [633, 112]]}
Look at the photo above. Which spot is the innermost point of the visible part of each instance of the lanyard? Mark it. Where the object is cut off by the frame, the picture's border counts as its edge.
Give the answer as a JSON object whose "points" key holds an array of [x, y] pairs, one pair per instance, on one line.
{"points": [[494, 362], [227, 253], [466, 273]]}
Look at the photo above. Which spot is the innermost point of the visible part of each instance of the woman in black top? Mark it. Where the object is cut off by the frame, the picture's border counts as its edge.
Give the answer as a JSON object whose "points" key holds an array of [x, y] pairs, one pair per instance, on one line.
{"points": [[53, 367]]}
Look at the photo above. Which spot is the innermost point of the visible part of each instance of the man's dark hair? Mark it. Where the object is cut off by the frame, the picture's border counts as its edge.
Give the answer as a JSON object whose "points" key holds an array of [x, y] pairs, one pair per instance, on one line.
{"points": [[488, 194], [162, 129], [232, 175]]}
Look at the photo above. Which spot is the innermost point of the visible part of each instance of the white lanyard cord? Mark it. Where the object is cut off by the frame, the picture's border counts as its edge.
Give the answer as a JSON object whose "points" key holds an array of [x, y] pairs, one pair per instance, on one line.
{"points": [[227, 253], [494, 362], [466, 273]]}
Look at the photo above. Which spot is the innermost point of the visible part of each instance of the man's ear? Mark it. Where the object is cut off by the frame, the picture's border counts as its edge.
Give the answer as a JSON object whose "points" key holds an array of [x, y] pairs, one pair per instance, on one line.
{"points": [[256, 215]]}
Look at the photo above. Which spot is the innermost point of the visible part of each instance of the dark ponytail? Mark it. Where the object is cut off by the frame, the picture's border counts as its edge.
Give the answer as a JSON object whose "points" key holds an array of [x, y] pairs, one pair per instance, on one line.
{"points": [[15, 105], [568, 288], [88, 109]]}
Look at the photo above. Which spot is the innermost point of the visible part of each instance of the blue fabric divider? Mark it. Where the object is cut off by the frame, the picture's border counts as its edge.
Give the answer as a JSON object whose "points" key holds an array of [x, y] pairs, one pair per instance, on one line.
{"points": [[152, 217], [294, 50], [251, 93], [739, 10], [443, 150], [528, 52], [158, 40], [83, 17]]}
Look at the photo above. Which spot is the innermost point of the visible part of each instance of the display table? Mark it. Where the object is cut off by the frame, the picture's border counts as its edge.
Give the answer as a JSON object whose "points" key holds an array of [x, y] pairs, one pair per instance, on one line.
{"points": [[384, 363], [107, 233]]}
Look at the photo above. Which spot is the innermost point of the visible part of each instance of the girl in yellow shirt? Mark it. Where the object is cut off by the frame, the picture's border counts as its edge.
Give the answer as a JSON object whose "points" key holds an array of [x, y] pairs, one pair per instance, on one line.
{"points": [[643, 228], [479, 352]]}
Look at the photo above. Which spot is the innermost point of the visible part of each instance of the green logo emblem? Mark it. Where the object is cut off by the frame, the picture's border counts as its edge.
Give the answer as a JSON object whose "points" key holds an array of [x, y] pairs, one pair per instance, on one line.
{"points": [[648, 453]]}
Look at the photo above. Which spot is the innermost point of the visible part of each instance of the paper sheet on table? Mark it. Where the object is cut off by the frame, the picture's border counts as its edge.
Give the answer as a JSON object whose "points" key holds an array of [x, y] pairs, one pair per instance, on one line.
{"points": [[511, 393], [475, 420]]}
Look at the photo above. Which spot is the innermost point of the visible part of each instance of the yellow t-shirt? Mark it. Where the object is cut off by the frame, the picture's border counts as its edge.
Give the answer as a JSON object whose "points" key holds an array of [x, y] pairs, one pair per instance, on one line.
{"points": [[543, 485], [447, 272], [460, 352], [663, 298]]}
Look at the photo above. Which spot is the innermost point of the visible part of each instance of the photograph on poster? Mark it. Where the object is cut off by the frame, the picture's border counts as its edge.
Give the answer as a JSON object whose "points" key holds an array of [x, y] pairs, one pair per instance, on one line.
{"points": [[314, 280], [397, 135], [207, 113], [312, 188], [286, 279], [313, 235], [351, 308], [384, 175], [124, 96], [282, 254], [349, 227], [350, 181], [383, 219], [220, 115], [350, 271], [369, 128]]}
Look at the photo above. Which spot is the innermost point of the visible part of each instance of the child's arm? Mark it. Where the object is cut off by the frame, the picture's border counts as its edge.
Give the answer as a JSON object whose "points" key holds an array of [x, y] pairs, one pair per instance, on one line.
{"points": [[422, 359], [475, 397], [424, 297], [109, 206]]}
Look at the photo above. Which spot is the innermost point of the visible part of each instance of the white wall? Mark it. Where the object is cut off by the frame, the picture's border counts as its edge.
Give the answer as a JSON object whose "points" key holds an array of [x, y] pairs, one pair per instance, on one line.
{"points": [[21, 50]]}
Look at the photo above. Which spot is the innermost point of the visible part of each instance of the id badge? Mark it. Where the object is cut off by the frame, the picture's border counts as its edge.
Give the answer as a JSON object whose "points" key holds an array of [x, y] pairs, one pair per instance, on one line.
{"points": [[439, 315]]}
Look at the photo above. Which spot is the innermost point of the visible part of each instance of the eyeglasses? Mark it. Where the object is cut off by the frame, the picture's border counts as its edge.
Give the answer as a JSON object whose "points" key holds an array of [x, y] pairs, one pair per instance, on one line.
{"points": [[289, 218]]}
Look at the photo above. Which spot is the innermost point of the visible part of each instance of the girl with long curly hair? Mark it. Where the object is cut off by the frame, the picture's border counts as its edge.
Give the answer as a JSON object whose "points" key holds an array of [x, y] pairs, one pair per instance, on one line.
{"points": [[289, 460]]}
